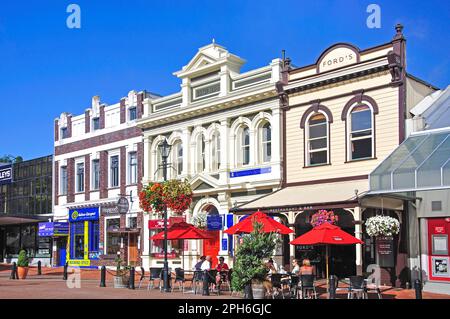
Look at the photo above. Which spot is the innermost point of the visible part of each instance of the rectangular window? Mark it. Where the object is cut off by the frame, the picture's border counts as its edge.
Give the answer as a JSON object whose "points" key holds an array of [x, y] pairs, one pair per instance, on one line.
{"points": [[361, 133], [80, 178], [132, 113], [114, 171], [94, 236], [77, 240], [132, 168], [132, 222], [317, 138], [95, 123], [95, 174], [112, 236], [63, 187], [64, 132]]}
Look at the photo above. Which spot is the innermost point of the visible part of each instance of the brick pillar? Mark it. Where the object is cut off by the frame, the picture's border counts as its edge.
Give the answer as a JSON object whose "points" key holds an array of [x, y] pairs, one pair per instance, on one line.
{"points": [[123, 169], [87, 175], [140, 165], [56, 184], [56, 130], [140, 105], [102, 117], [87, 122], [70, 180], [103, 174], [69, 126], [123, 111]]}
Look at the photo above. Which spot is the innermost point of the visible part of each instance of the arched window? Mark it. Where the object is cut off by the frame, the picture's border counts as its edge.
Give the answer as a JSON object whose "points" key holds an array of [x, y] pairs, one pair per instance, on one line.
{"points": [[266, 143], [215, 151], [177, 151], [360, 128], [158, 162], [317, 140], [200, 153], [245, 146]]}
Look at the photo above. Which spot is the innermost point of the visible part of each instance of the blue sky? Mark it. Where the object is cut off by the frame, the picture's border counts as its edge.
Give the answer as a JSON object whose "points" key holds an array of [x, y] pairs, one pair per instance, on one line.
{"points": [[47, 68]]}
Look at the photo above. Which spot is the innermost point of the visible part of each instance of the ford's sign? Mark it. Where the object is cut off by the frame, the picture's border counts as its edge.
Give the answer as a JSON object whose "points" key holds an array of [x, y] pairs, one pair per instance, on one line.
{"points": [[6, 174]]}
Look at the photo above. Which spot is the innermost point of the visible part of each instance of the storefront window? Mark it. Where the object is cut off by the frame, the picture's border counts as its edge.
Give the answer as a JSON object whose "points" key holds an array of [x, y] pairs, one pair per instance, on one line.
{"points": [[12, 240], [112, 236], [77, 240], [29, 239]]}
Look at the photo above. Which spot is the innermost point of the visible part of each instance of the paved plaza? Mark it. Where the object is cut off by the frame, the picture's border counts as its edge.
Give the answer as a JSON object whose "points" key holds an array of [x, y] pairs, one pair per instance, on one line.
{"points": [[50, 285]]}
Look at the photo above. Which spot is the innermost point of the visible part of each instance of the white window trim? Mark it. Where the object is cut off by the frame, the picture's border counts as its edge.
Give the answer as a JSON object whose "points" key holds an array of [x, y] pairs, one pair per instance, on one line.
{"points": [[215, 153], [77, 162], [261, 142], [306, 142], [240, 146], [349, 133], [128, 173], [93, 188], [110, 155], [61, 192]]}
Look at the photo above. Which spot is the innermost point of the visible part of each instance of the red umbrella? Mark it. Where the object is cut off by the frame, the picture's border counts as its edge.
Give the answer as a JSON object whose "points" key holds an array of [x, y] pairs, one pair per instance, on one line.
{"points": [[269, 225], [326, 234], [182, 230]]}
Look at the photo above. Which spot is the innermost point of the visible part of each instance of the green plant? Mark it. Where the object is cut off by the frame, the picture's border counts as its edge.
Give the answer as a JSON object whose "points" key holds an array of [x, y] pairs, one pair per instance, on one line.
{"points": [[23, 260], [250, 255], [119, 270]]}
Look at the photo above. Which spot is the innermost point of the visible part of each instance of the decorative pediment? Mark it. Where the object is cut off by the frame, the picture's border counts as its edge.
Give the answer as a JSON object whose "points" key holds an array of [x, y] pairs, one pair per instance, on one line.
{"points": [[208, 58], [199, 183]]}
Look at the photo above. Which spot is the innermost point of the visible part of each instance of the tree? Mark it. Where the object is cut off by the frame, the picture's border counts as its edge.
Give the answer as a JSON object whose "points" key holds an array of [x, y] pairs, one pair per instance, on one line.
{"points": [[250, 256], [11, 159]]}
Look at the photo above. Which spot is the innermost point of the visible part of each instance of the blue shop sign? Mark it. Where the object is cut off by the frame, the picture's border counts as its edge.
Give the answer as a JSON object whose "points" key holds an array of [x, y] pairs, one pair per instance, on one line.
{"points": [[249, 172], [214, 222], [83, 214], [53, 229], [6, 174]]}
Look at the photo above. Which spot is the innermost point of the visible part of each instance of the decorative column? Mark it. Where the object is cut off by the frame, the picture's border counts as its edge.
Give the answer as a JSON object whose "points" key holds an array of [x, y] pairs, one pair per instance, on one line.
{"points": [[186, 141], [186, 92], [224, 80], [147, 160], [224, 149], [291, 221], [358, 234], [276, 134]]}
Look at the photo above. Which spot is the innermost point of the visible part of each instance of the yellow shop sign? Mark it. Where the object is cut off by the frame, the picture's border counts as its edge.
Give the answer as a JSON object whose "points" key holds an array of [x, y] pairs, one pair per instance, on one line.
{"points": [[79, 262]]}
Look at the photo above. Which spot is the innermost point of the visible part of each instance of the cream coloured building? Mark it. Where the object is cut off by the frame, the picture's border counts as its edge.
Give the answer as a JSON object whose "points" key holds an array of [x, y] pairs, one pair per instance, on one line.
{"points": [[343, 115], [224, 129]]}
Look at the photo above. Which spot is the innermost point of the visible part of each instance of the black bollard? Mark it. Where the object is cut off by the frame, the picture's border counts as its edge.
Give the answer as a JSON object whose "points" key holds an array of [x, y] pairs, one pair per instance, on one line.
{"points": [[65, 271], [332, 287], [16, 271], [13, 271], [418, 288], [103, 277], [248, 291], [39, 268], [131, 281], [205, 284]]}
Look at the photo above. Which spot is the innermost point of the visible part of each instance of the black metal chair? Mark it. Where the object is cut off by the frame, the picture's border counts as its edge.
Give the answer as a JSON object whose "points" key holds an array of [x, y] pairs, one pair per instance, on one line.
{"points": [[196, 279], [142, 277], [155, 274], [357, 287], [212, 273], [373, 287], [307, 285], [225, 279], [293, 286], [277, 285], [180, 279]]}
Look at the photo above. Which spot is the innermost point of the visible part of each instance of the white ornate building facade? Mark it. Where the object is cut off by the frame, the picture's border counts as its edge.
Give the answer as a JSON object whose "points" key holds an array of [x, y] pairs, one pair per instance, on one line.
{"points": [[225, 129]]}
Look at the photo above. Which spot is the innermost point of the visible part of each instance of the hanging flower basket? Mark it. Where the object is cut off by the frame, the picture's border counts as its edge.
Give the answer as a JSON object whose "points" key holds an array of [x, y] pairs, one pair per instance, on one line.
{"points": [[382, 226], [199, 220], [323, 216], [174, 194]]}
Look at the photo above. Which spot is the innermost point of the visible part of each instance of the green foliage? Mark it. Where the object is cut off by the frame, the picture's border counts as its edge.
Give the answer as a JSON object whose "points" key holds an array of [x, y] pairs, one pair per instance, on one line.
{"points": [[10, 159], [119, 270], [250, 255], [22, 260]]}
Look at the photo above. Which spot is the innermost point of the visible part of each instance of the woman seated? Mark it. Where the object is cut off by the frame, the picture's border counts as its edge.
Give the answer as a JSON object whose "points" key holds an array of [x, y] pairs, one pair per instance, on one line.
{"points": [[222, 270], [295, 267], [306, 268]]}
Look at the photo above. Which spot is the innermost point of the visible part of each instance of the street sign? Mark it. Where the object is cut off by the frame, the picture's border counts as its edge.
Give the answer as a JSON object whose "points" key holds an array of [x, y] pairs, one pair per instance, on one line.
{"points": [[123, 205]]}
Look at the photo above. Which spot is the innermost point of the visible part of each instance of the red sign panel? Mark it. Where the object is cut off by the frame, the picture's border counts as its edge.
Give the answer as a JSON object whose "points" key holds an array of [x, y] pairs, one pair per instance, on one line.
{"points": [[161, 255], [159, 223]]}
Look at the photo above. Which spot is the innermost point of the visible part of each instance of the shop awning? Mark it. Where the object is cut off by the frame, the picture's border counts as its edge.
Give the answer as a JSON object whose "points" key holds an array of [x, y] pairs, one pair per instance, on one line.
{"points": [[6, 219], [421, 162], [307, 196]]}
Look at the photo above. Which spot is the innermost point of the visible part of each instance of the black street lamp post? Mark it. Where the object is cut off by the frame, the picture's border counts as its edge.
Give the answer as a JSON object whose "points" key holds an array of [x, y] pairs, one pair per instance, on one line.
{"points": [[164, 148]]}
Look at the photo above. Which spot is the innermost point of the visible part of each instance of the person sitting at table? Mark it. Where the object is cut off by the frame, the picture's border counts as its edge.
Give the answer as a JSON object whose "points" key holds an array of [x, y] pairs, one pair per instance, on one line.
{"points": [[296, 267], [306, 268], [222, 270], [206, 265], [198, 265], [271, 268]]}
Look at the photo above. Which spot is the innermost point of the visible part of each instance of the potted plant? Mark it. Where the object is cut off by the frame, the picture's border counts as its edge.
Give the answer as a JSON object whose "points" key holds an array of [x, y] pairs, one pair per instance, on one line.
{"points": [[323, 216], [22, 264], [381, 225], [121, 279], [199, 220], [249, 270]]}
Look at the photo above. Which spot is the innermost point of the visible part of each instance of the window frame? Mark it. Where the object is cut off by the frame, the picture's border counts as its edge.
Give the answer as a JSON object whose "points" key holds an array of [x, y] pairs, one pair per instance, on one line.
{"points": [[110, 171], [263, 144], [349, 131], [63, 187], [64, 132], [80, 181], [94, 121], [307, 144], [130, 110], [242, 146], [132, 168], [215, 151], [201, 153], [95, 187]]}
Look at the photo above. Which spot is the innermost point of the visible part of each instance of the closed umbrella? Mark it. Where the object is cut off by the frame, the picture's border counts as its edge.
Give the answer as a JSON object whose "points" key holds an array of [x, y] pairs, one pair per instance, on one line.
{"points": [[269, 225], [326, 234]]}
